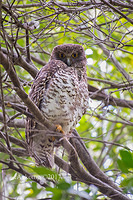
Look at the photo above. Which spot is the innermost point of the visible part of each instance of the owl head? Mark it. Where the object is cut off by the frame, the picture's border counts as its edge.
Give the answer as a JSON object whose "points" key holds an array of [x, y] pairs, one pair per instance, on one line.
{"points": [[72, 55]]}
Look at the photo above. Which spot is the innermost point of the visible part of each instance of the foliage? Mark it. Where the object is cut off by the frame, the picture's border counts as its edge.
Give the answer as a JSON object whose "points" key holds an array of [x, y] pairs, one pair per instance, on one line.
{"points": [[29, 30]]}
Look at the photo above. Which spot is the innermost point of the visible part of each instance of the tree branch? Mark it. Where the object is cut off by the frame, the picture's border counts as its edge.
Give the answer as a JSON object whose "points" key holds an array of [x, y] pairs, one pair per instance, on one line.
{"points": [[118, 11], [18, 123], [19, 60], [78, 173], [115, 62], [24, 97], [88, 161], [99, 95]]}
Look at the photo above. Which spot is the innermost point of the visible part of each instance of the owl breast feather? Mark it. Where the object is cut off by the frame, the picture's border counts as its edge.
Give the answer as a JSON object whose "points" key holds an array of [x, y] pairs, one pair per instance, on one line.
{"points": [[63, 102]]}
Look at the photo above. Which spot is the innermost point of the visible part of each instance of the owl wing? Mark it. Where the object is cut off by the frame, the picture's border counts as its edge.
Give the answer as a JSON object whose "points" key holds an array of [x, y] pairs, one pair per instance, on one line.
{"points": [[38, 90]]}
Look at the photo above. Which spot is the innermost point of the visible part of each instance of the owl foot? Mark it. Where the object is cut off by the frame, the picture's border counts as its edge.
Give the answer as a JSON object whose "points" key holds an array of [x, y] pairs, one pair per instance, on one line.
{"points": [[59, 129]]}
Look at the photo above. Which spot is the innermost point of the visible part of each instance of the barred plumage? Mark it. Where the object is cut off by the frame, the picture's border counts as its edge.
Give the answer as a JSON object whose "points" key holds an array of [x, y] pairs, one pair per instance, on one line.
{"points": [[60, 92]]}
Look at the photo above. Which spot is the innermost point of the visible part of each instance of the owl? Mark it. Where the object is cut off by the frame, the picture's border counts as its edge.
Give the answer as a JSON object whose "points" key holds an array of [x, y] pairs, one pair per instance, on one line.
{"points": [[60, 92]]}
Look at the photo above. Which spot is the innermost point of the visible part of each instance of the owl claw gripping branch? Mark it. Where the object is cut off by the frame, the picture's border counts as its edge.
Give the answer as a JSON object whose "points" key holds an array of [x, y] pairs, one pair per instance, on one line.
{"points": [[60, 92], [59, 129]]}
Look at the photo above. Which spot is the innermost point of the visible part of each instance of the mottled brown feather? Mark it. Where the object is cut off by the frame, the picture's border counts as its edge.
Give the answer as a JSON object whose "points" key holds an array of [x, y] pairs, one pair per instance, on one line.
{"points": [[60, 92]]}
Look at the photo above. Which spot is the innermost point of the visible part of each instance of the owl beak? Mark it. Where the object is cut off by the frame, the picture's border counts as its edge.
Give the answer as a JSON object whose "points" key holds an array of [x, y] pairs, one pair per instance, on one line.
{"points": [[68, 61]]}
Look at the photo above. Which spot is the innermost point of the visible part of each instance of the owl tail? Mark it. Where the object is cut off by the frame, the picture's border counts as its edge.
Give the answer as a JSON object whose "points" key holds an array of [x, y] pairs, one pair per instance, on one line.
{"points": [[43, 151], [44, 159]]}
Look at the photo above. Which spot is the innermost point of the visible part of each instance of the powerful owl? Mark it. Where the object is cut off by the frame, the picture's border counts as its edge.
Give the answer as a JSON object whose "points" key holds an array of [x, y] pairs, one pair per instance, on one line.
{"points": [[60, 92]]}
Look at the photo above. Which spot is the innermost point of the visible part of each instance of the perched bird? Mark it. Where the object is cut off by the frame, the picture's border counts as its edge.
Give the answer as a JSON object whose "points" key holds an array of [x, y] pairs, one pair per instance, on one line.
{"points": [[60, 92]]}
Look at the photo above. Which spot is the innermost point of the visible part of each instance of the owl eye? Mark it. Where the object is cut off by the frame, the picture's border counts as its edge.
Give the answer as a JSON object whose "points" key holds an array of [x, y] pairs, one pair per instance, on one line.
{"points": [[62, 55], [75, 55]]}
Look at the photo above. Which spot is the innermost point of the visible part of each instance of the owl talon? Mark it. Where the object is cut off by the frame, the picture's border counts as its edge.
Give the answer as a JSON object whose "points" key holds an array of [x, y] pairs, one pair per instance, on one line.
{"points": [[59, 129]]}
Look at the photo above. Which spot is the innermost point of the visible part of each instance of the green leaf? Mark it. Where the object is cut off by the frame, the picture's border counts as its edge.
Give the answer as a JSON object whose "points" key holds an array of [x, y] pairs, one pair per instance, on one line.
{"points": [[63, 186], [128, 184], [127, 158], [122, 166], [57, 193]]}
